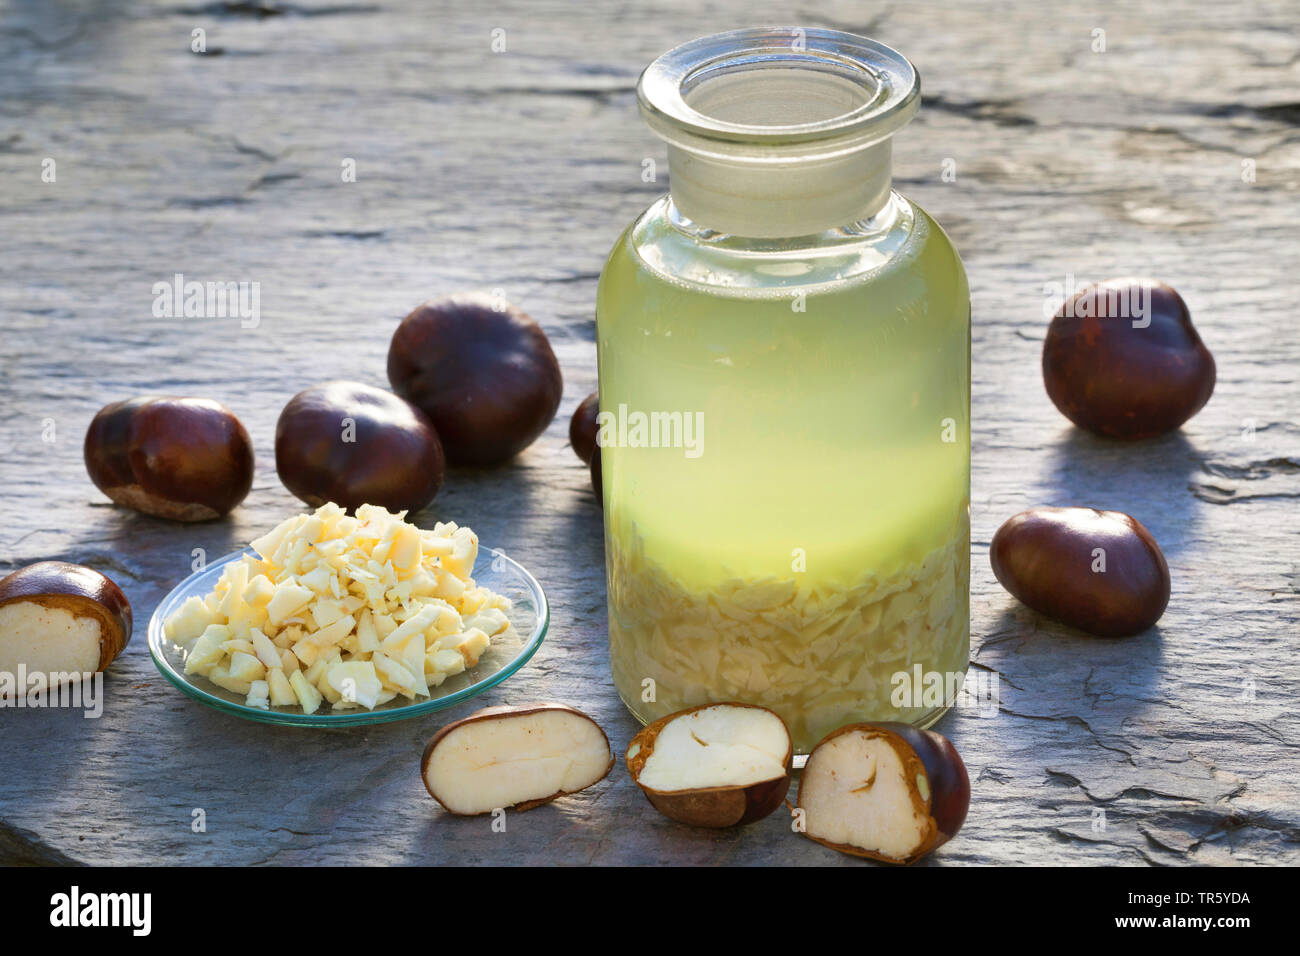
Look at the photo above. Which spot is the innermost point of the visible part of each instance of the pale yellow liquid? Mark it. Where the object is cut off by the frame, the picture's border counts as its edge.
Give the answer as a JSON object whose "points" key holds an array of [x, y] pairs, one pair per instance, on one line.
{"points": [[835, 442]]}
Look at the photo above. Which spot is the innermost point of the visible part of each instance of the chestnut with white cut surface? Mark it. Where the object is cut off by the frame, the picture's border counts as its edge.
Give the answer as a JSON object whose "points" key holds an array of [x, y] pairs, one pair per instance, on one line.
{"points": [[188, 459], [482, 370], [887, 791], [354, 444], [60, 620], [514, 756], [716, 765]]}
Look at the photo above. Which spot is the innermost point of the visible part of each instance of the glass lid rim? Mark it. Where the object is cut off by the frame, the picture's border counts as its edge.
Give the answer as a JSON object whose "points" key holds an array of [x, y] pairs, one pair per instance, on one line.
{"points": [[661, 89]]}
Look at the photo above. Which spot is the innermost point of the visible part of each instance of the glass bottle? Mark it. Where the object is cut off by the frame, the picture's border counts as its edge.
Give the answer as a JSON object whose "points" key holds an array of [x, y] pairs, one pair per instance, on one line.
{"points": [[784, 357]]}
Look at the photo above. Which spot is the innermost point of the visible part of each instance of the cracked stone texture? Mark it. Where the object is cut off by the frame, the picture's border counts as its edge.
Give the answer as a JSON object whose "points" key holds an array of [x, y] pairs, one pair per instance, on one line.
{"points": [[517, 171]]}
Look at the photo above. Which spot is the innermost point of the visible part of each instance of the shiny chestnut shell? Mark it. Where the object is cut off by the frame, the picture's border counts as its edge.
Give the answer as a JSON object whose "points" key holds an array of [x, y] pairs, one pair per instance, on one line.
{"points": [[354, 444], [1116, 369], [1046, 558], [483, 372], [189, 459], [583, 427]]}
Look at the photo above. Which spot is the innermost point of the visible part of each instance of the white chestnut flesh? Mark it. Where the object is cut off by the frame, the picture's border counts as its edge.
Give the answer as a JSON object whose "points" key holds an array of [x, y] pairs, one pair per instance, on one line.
{"points": [[518, 757], [47, 640], [716, 765], [886, 791]]}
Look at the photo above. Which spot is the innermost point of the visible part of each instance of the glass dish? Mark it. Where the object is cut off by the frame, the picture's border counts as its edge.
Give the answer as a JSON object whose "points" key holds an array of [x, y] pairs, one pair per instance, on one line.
{"points": [[529, 617]]}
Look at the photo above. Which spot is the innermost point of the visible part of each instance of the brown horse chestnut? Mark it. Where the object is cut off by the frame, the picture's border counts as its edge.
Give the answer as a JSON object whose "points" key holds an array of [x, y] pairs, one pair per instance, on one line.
{"points": [[887, 791], [354, 445], [583, 427], [1122, 359], [597, 479], [189, 459], [483, 372], [1099, 571]]}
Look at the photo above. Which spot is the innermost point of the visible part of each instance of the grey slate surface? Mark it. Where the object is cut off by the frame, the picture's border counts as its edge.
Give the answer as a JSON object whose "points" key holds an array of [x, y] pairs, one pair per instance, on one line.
{"points": [[517, 170]]}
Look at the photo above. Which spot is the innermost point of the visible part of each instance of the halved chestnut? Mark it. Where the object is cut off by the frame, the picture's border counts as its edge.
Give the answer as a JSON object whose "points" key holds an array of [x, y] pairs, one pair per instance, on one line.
{"points": [[59, 621], [887, 791], [520, 756], [716, 765], [188, 459]]}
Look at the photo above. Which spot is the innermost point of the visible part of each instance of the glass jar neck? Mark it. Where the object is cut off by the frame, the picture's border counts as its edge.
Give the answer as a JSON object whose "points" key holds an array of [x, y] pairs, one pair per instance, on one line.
{"points": [[772, 198], [779, 132]]}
